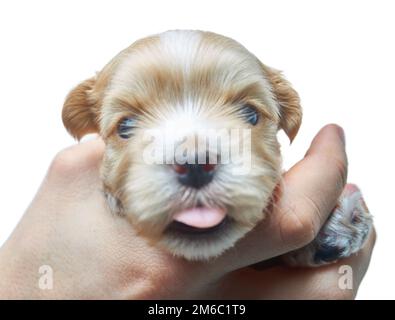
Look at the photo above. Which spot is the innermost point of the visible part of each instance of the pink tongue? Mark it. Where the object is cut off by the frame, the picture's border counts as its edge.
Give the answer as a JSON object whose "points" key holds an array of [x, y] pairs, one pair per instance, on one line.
{"points": [[201, 217]]}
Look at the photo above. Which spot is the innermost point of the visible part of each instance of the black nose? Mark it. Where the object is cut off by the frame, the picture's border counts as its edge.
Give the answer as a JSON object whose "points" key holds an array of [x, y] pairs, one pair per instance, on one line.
{"points": [[195, 175]]}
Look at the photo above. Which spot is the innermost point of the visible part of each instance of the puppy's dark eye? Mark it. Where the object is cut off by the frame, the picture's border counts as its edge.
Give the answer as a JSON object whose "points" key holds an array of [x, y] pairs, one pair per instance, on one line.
{"points": [[250, 114], [125, 127]]}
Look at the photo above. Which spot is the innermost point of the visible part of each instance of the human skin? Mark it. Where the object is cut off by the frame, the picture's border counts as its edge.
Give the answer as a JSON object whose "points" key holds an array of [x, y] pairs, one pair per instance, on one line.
{"points": [[95, 254]]}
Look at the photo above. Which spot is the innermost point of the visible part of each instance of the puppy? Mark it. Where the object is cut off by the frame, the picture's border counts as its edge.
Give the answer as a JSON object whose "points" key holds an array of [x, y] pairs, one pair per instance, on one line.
{"points": [[190, 122]]}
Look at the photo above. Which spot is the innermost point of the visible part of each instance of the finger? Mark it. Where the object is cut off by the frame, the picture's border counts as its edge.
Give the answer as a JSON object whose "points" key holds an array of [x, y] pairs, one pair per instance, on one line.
{"points": [[309, 192], [312, 187], [86, 153], [340, 280], [80, 158], [73, 173]]}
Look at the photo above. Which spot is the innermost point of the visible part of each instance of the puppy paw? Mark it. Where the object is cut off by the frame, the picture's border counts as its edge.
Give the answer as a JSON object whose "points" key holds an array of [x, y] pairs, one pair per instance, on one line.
{"points": [[344, 233], [114, 204]]}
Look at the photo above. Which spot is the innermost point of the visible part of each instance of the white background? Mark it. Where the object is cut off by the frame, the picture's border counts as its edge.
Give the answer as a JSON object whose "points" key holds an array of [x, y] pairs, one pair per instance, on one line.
{"points": [[339, 55]]}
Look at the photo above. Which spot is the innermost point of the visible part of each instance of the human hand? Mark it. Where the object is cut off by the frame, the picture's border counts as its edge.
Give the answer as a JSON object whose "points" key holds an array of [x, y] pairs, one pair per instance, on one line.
{"points": [[96, 254]]}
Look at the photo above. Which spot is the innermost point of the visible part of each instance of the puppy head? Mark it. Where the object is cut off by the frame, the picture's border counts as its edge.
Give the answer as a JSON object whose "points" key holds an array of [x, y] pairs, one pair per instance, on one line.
{"points": [[189, 119]]}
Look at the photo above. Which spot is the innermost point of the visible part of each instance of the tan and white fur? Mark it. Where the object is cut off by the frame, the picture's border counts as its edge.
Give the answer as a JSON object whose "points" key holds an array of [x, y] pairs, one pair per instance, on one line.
{"points": [[190, 81]]}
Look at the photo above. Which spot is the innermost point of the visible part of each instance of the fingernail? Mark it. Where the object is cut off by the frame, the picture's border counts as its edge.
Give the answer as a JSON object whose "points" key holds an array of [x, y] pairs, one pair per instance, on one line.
{"points": [[342, 135], [351, 188], [89, 137]]}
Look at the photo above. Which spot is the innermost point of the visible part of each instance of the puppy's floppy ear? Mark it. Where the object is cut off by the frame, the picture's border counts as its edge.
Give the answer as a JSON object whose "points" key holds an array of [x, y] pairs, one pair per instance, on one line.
{"points": [[80, 110], [288, 100]]}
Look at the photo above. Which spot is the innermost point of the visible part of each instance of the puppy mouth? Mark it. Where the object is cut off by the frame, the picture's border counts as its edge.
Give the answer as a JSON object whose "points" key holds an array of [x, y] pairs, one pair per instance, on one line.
{"points": [[199, 220]]}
